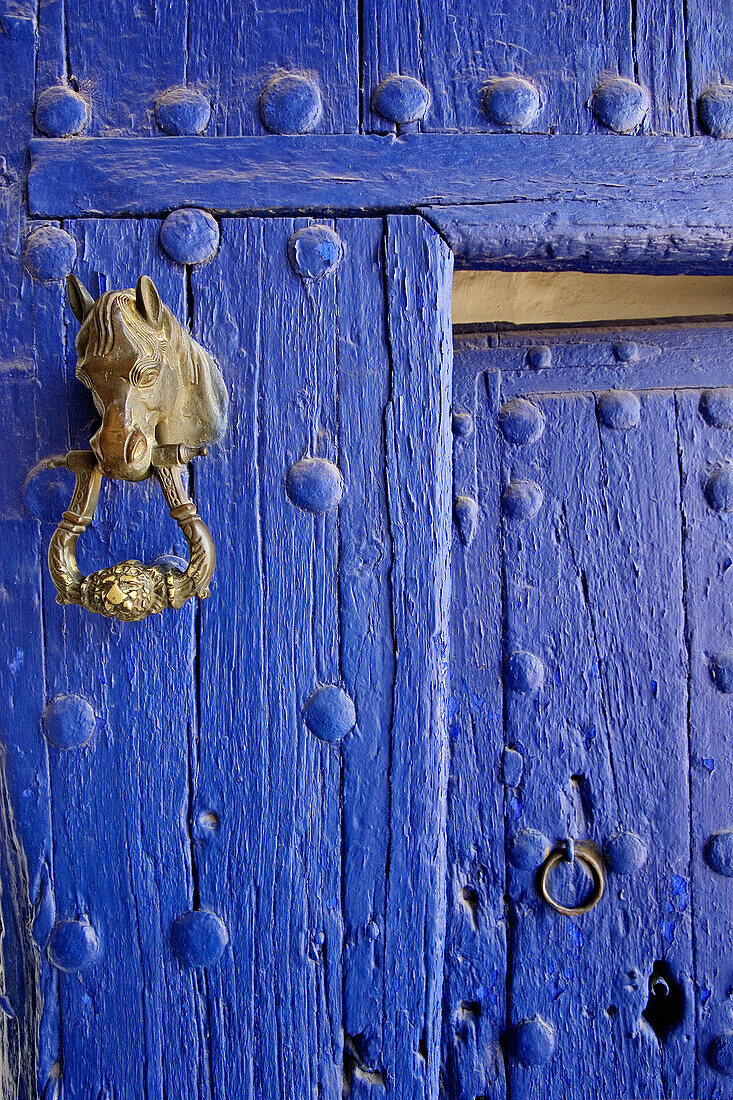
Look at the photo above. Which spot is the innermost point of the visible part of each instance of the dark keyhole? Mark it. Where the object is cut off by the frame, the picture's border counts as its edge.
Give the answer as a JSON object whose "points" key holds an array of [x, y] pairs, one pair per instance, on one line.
{"points": [[666, 1005]]}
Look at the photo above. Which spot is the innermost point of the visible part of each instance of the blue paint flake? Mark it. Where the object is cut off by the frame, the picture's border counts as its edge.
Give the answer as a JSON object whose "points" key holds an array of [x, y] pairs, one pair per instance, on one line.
{"points": [[589, 737], [331, 903], [576, 936], [668, 927], [705, 995], [17, 662], [708, 763]]}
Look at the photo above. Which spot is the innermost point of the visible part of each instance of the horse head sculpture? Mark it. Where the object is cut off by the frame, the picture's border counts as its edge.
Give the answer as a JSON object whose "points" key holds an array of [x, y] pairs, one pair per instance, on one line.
{"points": [[151, 382], [161, 398]]}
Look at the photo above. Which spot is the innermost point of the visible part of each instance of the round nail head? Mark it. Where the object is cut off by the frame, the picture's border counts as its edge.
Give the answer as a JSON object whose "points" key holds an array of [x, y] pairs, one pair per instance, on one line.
{"points": [[720, 1053], [68, 722], [719, 488], [314, 251], [290, 104], [511, 102], [182, 112], [533, 1042], [716, 407], [190, 236], [50, 254], [314, 484], [539, 357], [61, 112], [619, 410], [73, 945], [198, 938], [524, 673], [715, 110], [401, 99], [521, 422], [719, 853], [522, 500], [329, 713], [528, 849], [625, 853], [620, 104]]}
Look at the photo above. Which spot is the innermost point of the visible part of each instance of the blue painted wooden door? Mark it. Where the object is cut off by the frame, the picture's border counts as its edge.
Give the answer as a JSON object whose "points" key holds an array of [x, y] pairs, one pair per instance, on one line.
{"points": [[203, 893], [165, 775], [589, 680]]}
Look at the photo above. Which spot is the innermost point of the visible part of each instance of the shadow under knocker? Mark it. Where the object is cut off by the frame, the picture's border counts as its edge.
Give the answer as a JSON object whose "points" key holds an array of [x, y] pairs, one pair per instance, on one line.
{"points": [[161, 398]]}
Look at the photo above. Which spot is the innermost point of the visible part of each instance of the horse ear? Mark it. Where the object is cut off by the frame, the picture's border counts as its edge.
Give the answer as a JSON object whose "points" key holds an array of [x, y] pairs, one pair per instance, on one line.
{"points": [[147, 301], [79, 297]]}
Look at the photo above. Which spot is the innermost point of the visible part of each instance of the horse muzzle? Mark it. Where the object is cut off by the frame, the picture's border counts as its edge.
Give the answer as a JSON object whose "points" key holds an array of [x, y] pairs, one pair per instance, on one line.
{"points": [[126, 456]]}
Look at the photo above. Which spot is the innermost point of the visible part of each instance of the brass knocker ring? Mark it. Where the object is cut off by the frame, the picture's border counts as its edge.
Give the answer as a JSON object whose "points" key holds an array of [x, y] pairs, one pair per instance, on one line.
{"points": [[591, 860], [162, 398], [129, 591]]}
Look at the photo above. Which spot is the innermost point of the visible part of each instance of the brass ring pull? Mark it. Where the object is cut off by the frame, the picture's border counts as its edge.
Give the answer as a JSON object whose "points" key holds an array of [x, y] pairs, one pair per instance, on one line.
{"points": [[591, 860], [128, 591]]}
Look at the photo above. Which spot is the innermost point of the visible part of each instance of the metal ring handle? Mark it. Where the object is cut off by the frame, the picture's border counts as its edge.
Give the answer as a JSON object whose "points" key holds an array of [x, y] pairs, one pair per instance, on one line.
{"points": [[128, 591], [591, 860]]}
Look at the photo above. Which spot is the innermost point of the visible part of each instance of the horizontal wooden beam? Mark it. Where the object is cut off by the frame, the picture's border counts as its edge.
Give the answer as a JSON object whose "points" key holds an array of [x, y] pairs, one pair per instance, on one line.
{"points": [[363, 173], [598, 202]]}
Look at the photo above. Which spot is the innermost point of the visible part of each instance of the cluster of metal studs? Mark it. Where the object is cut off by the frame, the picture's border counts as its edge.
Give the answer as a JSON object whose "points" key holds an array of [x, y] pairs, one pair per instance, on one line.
{"points": [[198, 937], [291, 103]]}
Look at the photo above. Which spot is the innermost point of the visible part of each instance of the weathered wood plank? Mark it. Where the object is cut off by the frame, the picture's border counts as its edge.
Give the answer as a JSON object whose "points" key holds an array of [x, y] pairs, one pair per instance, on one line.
{"points": [[615, 235], [94, 52], [121, 853], [710, 55], [367, 653], [660, 63], [418, 276], [353, 173], [665, 357], [704, 449], [271, 868], [474, 990], [234, 50], [608, 631], [457, 48]]}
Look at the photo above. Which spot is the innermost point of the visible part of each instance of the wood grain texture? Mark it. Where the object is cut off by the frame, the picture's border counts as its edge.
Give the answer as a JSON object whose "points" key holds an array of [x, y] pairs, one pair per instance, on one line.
{"points": [[703, 448], [352, 173], [226, 50], [676, 236], [602, 598], [608, 627], [710, 54], [235, 48], [418, 271], [121, 847], [456, 49], [80, 47], [352, 851], [474, 991]]}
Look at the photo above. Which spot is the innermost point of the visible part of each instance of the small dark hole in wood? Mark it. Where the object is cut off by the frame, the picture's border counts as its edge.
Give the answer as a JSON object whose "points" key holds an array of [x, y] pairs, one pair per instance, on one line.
{"points": [[665, 1008], [470, 1008], [422, 1049], [612, 1011]]}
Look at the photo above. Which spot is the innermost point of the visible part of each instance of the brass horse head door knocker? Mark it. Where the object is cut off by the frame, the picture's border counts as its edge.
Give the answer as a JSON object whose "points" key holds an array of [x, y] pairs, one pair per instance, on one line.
{"points": [[161, 398]]}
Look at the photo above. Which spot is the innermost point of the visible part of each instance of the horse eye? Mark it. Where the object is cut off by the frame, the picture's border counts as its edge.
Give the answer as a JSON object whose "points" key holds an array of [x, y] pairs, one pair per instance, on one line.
{"points": [[147, 378]]}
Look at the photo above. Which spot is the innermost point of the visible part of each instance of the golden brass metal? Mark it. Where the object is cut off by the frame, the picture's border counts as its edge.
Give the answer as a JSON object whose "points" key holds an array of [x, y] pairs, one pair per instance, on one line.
{"points": [[161, 397], [590, 858]]}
